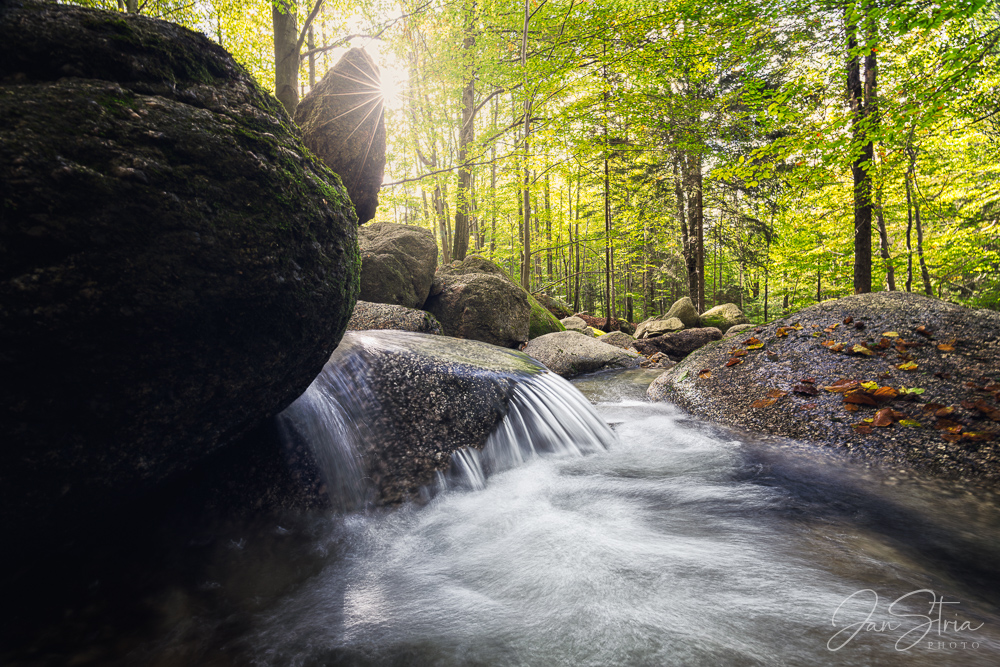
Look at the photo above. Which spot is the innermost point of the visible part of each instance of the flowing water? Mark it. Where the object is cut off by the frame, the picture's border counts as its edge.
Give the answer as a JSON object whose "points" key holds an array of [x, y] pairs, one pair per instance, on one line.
{"points": [[677, 544]]}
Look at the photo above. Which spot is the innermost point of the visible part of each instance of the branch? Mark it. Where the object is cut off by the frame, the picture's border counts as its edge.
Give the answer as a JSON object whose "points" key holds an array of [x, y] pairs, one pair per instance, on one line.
{"points": [[305, 26]]}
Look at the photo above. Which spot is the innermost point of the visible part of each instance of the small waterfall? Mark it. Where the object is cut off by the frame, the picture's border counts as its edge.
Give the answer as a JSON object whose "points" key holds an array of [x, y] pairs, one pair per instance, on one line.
{"points": [[397, 415]]}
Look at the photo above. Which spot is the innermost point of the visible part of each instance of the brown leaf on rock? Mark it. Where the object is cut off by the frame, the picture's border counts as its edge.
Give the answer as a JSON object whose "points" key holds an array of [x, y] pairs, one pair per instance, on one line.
{"points": [[864, 429], [968, 405], [839, 347], [764, 403], [924, 331], [733, 362], [860, 397], [810, 406], [885, 394], [862, 350], [932, 407], [842, 385], [739, 353], [809, 380], [883, 418], [897, 415], [980, 436], [943, 412], [948, 424], [860, 326], [884, 343], [949, 346], [807, 389], [988, 410], [753, 340], [848, 319], [851, 407], [782, 332], [951, 437], [705, 374], [776, 393]]}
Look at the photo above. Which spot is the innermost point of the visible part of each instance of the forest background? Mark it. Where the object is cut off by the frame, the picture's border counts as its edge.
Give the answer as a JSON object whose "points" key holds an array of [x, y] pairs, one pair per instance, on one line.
{"points": [[620, 154]]}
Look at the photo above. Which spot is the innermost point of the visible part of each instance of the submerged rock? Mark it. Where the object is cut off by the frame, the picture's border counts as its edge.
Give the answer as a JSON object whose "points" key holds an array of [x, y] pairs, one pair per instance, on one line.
{"points": [[723, 317], [388, 316], [570, 353], [343, 122], [475, 299], [176, 265], [935, 369], [397, 264]]}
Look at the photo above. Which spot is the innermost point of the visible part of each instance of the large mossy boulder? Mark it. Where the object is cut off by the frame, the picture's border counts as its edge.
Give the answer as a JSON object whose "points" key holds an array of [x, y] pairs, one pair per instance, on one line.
{"points": [[397, 264], [723, 317], [175, 265], [475, 299], [367, 316], [343, 122], [555, 305], [571, 353], [866, 348], [542, 320], [684, 310]]}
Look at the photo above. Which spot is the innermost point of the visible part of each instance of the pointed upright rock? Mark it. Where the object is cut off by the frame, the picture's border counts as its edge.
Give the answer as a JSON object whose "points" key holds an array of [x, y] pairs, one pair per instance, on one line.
{"points": [[343, 122]]}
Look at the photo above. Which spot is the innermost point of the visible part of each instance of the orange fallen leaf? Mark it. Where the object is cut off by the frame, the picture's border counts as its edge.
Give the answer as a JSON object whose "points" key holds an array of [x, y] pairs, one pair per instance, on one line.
{"points": [[988, 410], [951, 437], [949, 346], [739, 353], [764, 403], [753, 340], [848, 319], [907, 366], [842, 385], [807, 389], [859, 397], [733, 362], [947, 424], [782, 332], [931, 407], [705, 374], [851, 407], [864, 429], [943, 412], [883, 418], [776, 393], [924, 331], [885, 394]]}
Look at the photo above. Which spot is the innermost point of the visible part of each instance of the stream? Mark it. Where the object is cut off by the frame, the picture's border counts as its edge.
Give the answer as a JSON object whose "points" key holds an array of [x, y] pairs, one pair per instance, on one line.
{"points": [[682, 544]]}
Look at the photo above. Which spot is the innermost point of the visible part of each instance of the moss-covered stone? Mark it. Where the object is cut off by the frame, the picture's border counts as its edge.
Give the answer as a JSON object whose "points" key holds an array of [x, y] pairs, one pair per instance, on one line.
{"points": [[174, 264], [542, 320]]}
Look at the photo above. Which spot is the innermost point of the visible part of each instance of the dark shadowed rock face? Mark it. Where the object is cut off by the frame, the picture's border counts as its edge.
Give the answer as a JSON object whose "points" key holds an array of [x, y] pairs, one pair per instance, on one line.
{"points": [[796, 365], [475, 299], [678, 345], [397, 263], [387, 316], [174, 265], [342, 121]]}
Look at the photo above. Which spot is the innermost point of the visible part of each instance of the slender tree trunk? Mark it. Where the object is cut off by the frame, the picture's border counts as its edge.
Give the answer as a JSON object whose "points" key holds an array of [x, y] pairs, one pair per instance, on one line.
{"points": [[493, 181], [548, 229], [912, 186], [577, 250], [526, 193], [132, 6], [286, 56], [890, 269], [466, 135], [863, 161], [311, 44]]}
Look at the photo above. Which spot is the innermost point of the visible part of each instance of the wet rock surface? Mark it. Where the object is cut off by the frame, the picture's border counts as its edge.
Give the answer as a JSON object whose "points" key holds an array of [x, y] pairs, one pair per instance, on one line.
{"points": [[388, 316], [343, 122], [772, 379], [397, 264], [176, 266], [424, 398], [571, 353]]}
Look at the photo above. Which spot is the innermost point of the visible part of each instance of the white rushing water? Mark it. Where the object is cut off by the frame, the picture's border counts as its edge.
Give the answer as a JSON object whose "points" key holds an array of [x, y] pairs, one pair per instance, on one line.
{"points": [[678, 545]]}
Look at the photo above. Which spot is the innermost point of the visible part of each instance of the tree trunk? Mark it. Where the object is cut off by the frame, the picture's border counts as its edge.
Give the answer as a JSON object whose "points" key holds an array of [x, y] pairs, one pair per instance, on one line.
{"points": [[863, 161], [912, 183], [883, 235], [577, 250], [466, 135], [526, 193], [311, 44], [286, 56]]}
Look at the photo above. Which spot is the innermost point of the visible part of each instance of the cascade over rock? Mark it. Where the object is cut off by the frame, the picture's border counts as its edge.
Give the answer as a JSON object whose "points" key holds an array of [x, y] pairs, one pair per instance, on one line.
{"points": [[176, 265], [391, 410], [343, 122]]}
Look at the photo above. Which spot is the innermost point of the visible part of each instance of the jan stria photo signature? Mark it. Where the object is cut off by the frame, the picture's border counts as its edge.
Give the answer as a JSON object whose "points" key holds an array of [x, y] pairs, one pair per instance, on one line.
{"points": [[912, 628]]}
